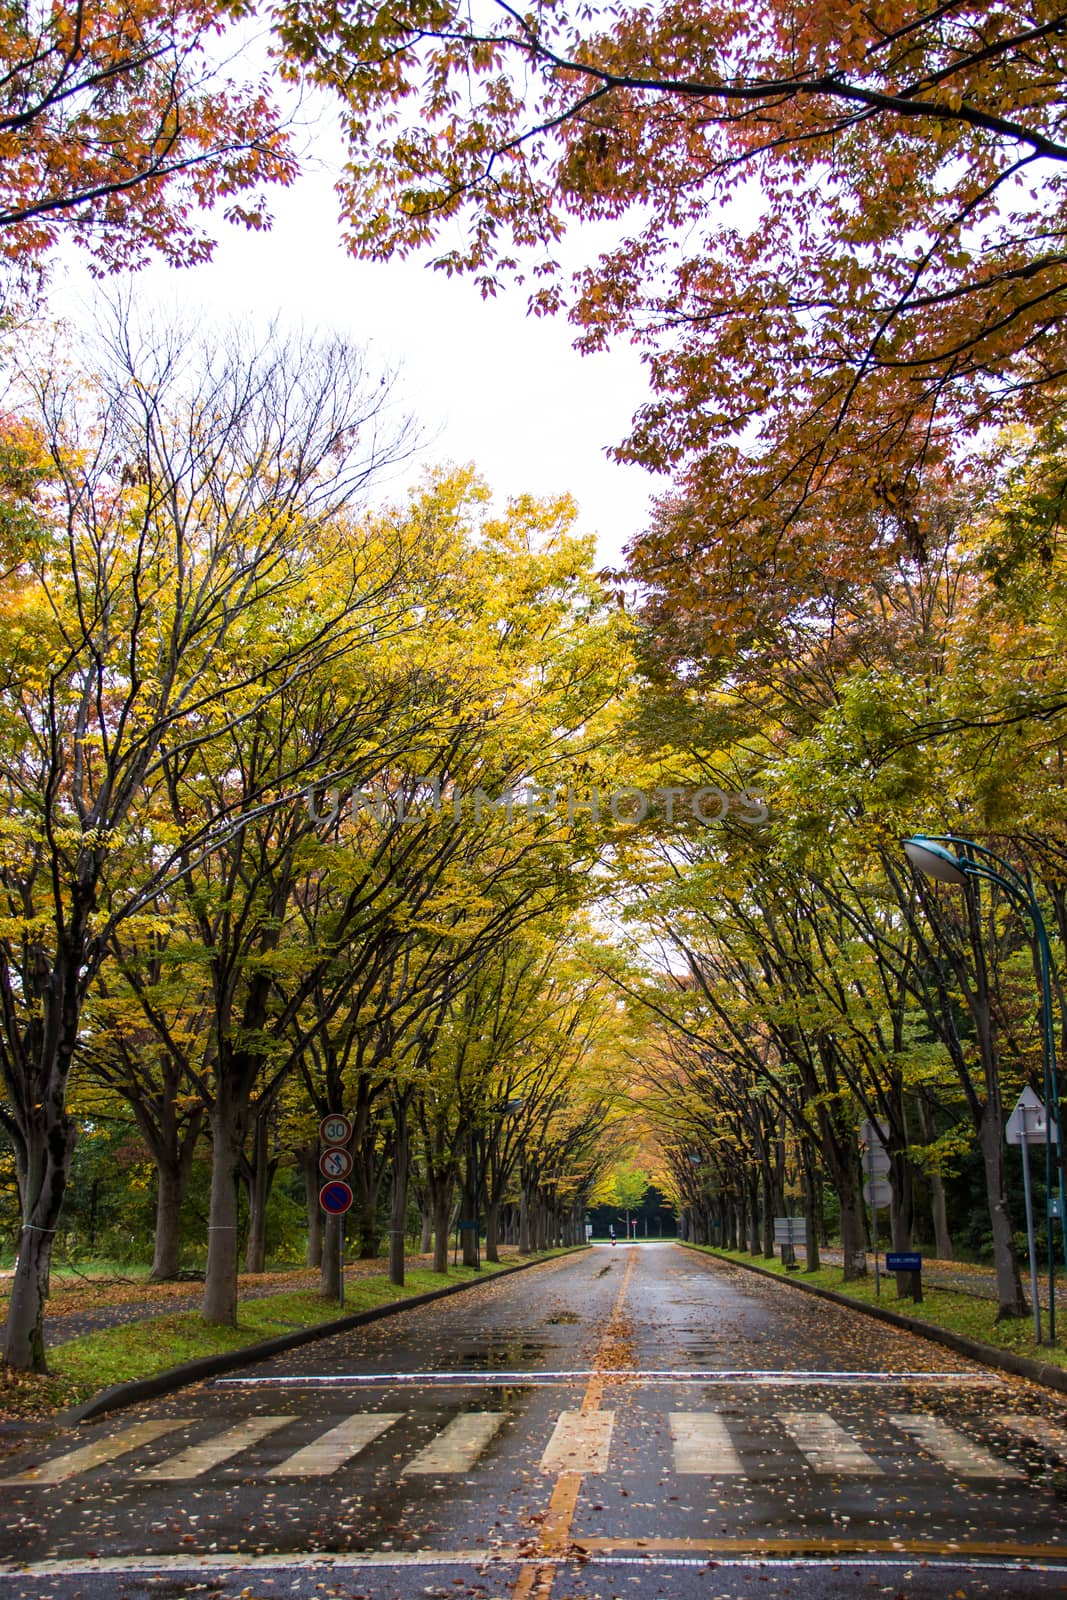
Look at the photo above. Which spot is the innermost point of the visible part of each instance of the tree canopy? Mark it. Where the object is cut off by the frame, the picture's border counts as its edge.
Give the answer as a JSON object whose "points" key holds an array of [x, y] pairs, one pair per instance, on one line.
{"points": [[840, 239]]}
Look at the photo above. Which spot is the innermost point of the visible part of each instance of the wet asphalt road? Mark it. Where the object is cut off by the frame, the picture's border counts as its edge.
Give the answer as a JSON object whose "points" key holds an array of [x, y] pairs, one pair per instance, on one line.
{"points": [[639, 1421]]}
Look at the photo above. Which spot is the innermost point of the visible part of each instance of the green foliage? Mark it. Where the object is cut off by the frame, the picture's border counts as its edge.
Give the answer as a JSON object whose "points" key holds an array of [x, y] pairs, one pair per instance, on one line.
{"points": [[629, 1185]]}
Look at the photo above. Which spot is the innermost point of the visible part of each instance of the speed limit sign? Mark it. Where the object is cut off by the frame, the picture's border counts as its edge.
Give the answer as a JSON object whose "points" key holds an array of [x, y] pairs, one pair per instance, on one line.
{"points": [[335, 1129]]}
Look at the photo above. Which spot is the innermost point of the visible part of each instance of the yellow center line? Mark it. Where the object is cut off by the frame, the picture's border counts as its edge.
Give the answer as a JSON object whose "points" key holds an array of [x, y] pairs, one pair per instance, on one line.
{"points": [[535, 1579], [813, 1545]]}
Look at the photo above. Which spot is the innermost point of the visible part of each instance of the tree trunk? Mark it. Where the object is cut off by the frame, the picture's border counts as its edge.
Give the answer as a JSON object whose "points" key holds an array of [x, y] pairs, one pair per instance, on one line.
{"points": [[229, 1120], [468, 1219], [258, 1173], [49, 1144], [1010, 1297], [492, 1231], [768, 1214], [308, 1157], [853, 1233], [426, 1228], [537, 1223], [525, 1245], [442, 1208], [943, 1249], [170, 1192], [330, 1270], [902, 1216], [172, 1151], [367, 1175], [399, 1199], [811, 1227], [938, 1203]]}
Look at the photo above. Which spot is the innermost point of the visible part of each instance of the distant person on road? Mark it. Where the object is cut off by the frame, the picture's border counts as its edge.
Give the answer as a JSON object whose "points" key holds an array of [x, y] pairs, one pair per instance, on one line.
{"points": [[611, 1232]]}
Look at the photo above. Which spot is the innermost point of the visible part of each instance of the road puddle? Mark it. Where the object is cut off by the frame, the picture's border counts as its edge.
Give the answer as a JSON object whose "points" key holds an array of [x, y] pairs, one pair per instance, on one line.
{"points": [[508, 1397], [506, 1351]]}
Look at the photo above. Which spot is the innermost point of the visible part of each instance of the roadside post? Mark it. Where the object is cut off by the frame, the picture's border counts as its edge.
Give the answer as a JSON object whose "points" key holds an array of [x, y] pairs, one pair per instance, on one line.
{"points": [[877, 1191], [335, 1196], [907, 1262], [1028, 1125], [788, 1233]]}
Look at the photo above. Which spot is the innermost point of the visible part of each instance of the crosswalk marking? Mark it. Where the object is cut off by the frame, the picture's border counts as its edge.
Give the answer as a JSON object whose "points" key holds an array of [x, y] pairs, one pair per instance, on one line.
{"points": [[952, 1448], [1038, 1429], [199, 1458], [331, 1450], [96, 1454], [826, 1446], [702, 1445], [458, 1446], [580, 1442]]}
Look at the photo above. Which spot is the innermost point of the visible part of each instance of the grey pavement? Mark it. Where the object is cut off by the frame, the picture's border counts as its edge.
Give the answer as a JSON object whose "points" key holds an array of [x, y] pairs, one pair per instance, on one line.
{"points": [[638, 1421]]}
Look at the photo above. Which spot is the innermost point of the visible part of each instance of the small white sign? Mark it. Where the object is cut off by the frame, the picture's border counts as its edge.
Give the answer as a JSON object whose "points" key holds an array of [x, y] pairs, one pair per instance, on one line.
{"points": [[335, 1129], [789, 1230], [1027, 1121], [878, 1192], [874, 1155]]}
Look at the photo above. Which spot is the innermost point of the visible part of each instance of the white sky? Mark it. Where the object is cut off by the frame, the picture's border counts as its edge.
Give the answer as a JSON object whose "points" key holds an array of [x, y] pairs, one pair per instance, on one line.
{"points": [[487, 382]]}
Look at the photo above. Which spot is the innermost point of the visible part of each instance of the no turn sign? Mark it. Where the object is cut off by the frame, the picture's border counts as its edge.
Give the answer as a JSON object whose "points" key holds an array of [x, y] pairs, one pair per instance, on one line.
{"points": [[335, 1162]]}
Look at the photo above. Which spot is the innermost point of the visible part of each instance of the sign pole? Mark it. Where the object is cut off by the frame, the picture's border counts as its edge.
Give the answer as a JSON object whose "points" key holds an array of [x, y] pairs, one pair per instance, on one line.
{"points": [[874, 1219], [1031, 1243], [335, 1196], [1018, 1131]]}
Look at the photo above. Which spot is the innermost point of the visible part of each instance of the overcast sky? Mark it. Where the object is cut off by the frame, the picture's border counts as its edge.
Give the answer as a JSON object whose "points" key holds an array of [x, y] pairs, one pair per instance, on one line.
{"points": [[488, 383]]}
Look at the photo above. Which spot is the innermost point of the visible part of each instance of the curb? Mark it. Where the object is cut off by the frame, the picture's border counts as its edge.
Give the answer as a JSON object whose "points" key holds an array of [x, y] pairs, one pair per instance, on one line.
{"points": [[128, 1394], [987, 1354]]}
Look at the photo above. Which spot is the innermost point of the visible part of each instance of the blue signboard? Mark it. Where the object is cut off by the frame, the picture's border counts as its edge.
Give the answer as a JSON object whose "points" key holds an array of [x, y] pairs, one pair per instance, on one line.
{"points": [[903, 1261]]}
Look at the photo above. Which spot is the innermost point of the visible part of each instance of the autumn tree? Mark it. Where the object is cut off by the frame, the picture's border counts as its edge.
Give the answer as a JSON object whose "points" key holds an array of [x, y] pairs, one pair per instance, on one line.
{"points": [[838, 234], [152, 1068], [166, 590], [517, 663], [929, 700], [120, 122]]}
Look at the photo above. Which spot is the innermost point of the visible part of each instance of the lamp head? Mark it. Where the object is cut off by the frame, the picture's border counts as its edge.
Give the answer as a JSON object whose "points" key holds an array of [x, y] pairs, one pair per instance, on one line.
{"points": [[935, 860]]}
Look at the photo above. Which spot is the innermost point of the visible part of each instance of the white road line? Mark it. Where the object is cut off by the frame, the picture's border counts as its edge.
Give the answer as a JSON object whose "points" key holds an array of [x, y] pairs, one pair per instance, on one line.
{"points": [[702, 1445], [457, 1447], [580, 1442], [331, 1450], [703, 1375], [479, 1558], [96, 1454], [826, 1446], [199, 1458], [953, 1449], [1050, 1435]]}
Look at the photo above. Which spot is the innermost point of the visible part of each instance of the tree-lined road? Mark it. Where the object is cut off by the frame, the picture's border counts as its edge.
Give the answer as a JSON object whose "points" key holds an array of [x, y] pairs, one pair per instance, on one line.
{"points": [[625, 1421]]}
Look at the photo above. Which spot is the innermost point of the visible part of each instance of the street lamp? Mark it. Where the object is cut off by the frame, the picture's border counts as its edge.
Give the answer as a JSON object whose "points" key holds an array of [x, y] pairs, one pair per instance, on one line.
{"points": [[951, 859]]}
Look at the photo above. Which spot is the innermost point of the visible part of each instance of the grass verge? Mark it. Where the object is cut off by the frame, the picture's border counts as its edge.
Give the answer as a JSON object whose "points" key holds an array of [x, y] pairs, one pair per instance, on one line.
{"points": [[155, 1344], [952, 1309]]}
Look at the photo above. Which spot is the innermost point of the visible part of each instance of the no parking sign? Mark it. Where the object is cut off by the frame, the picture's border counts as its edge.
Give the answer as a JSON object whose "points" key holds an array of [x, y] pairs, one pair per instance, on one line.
{"points": [[335, 1197]]}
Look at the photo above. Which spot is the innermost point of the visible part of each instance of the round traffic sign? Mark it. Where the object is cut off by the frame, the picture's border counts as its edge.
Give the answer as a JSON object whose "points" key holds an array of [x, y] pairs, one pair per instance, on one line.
{"points": [[335, 1162], [335, 1129], [335, 1197]]}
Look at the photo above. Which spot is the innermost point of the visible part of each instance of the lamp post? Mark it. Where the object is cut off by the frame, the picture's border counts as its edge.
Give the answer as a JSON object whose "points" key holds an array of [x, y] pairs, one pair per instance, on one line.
{"points": [[951, 859]]}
